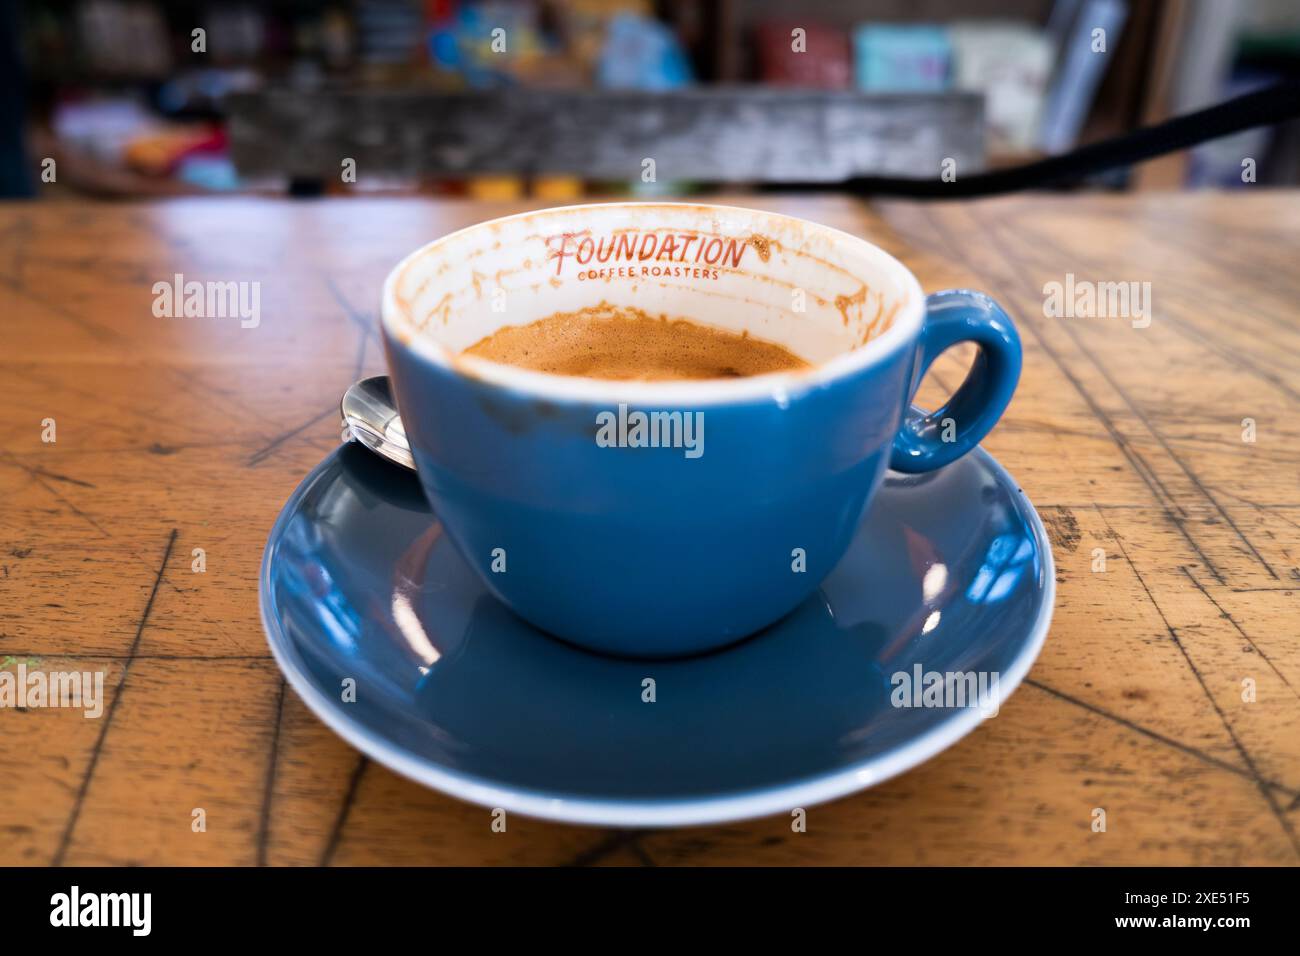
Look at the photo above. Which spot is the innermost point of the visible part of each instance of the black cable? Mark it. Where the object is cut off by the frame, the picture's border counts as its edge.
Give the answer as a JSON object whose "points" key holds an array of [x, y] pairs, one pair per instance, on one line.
{"points": [[1264, 107]]}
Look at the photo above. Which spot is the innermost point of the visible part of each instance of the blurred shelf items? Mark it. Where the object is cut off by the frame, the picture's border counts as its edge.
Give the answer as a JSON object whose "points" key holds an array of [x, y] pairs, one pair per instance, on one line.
{"points": [[559, 100]]}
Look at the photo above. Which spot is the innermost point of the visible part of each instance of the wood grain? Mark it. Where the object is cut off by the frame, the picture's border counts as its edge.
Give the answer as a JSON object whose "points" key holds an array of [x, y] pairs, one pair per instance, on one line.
{"points": [[177, 434]]}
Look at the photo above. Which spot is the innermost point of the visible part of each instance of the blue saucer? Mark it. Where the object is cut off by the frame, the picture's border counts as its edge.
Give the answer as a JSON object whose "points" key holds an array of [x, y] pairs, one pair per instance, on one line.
{"points": [[950, 571]]}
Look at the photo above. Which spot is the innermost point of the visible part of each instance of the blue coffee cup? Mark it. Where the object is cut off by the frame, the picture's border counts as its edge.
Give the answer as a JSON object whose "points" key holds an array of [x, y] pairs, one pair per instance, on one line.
{"points": [[662, 518]]}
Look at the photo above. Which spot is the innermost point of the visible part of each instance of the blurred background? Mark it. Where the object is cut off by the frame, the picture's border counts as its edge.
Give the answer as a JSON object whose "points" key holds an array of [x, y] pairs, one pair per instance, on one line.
{"points": [[511, 98]]}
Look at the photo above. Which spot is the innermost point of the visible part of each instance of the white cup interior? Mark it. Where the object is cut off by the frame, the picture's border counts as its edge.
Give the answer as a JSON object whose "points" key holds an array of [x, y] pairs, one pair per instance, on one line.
{"points": [[831, 298]]}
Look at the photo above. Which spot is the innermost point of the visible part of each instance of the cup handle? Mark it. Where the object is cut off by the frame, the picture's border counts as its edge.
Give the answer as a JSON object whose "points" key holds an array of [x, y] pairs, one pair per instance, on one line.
{"points": [[926, 441]]}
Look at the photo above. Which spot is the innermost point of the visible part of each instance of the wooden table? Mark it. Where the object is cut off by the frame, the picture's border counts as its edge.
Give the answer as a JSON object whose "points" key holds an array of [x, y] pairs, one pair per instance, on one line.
{"points": [[179, 434]]}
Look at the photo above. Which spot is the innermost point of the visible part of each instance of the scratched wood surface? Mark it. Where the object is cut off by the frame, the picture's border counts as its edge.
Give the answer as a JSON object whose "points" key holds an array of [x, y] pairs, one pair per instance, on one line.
{"points": [[176, 434]]}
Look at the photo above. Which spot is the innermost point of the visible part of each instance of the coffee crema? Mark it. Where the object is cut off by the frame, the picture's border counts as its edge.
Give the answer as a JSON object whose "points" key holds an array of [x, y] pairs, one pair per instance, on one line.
{"points": [[619, 342]]}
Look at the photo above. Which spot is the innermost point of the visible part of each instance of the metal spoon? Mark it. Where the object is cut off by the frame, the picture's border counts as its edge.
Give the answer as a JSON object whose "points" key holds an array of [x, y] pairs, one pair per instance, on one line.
{"points": [[370, 416]]}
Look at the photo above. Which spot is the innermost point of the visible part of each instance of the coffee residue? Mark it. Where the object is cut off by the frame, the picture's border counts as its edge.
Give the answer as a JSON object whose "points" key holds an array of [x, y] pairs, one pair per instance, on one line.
{"points": [[845, 302], [619, 342]]}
